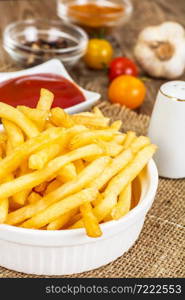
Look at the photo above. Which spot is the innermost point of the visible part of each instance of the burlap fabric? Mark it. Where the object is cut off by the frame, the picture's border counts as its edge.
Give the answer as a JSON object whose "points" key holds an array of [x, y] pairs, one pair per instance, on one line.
{"points": [[160, 249]]}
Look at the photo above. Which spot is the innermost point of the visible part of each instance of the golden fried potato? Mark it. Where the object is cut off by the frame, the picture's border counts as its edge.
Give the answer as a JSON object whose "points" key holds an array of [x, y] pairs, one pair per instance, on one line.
{"points": [[61, 171]]}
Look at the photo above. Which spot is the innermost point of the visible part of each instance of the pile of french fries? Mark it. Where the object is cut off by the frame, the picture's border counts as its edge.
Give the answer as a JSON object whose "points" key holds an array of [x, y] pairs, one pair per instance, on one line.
{"points": [[60, 171]]}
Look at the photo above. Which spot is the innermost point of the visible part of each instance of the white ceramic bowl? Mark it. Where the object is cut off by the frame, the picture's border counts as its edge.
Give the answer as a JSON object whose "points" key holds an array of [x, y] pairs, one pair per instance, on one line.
{"points": [[71, 251], [56, 67]]}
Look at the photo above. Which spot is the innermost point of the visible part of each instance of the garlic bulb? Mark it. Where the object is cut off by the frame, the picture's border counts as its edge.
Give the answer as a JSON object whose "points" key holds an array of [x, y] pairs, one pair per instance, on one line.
{"points": [[160, 50]]}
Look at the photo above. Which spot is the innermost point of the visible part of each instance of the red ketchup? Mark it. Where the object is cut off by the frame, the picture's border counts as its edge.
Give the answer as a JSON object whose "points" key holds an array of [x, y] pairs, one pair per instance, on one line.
{"points": [[25, 90]]}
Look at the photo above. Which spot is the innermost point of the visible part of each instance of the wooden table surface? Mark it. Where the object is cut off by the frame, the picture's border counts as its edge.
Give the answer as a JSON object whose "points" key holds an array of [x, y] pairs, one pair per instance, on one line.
{"points": [[146, 12]]}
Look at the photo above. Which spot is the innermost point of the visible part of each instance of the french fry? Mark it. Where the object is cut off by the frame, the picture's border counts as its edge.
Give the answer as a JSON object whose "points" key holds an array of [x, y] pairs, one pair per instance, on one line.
{"points": [[9, 148], [116, 125], [38, 160], [67, 173], [90, 221], [121, 180], [61, 221], [48, 125], [37, 116], [82, 180], [77, 173], [115, 166], [60, 208], [74, 220], [13, 205], [91, 121], [136, 190], [108, 218], [41, 187], [21, 196], [72, 132], [37, 177], [124, 203], [12, 114], [14, 133], [119, 162], [118, 183], [3, 142], [1, 152], [46, 100], [23, 169], [130, 137], [4, 204], [8, 178], [119, 139], [60, 118], [85, 114], [14, 160], [34, 197], [84, 138], [110, 148], [139, 143], [98, 199], [3, 137], [53, 185], [76, 223], [98, 112], [76, 129], [79, 164]]}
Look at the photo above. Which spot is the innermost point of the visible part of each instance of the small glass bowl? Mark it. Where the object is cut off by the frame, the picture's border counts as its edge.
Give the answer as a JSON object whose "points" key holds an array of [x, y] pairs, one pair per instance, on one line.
{"points": [[66, 42], [67, 10]]}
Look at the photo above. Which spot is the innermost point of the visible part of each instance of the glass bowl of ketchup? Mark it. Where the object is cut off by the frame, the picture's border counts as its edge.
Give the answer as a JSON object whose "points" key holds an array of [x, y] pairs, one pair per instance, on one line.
{"points": [[32, 42], [95, 14]]}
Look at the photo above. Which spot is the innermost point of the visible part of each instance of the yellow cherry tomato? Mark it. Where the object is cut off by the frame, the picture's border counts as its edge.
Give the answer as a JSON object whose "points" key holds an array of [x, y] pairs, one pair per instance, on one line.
{"points": [[127, 90], [99, 54]]}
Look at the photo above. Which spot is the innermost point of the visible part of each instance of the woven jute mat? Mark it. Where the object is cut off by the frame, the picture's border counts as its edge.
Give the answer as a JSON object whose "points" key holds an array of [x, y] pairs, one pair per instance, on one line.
{"points": [[160, 249]]}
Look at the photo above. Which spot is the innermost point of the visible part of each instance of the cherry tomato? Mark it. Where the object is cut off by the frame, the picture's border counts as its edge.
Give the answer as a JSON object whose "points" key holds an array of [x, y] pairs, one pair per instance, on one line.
{"points": [[122, 66], [99, 54], [127, 90]]}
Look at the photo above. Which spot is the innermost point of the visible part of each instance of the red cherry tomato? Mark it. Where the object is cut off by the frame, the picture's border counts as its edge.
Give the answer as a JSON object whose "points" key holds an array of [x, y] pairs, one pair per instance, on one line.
{"points": [[122, 66]]}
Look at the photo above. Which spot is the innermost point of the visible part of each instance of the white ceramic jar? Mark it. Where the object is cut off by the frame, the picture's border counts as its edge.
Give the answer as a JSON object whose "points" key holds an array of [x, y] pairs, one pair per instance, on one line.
{"points": [[167, 129]]}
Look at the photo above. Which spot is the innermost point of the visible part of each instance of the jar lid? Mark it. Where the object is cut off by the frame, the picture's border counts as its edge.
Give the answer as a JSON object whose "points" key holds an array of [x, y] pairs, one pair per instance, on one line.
{"points": [[174, 89]]}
